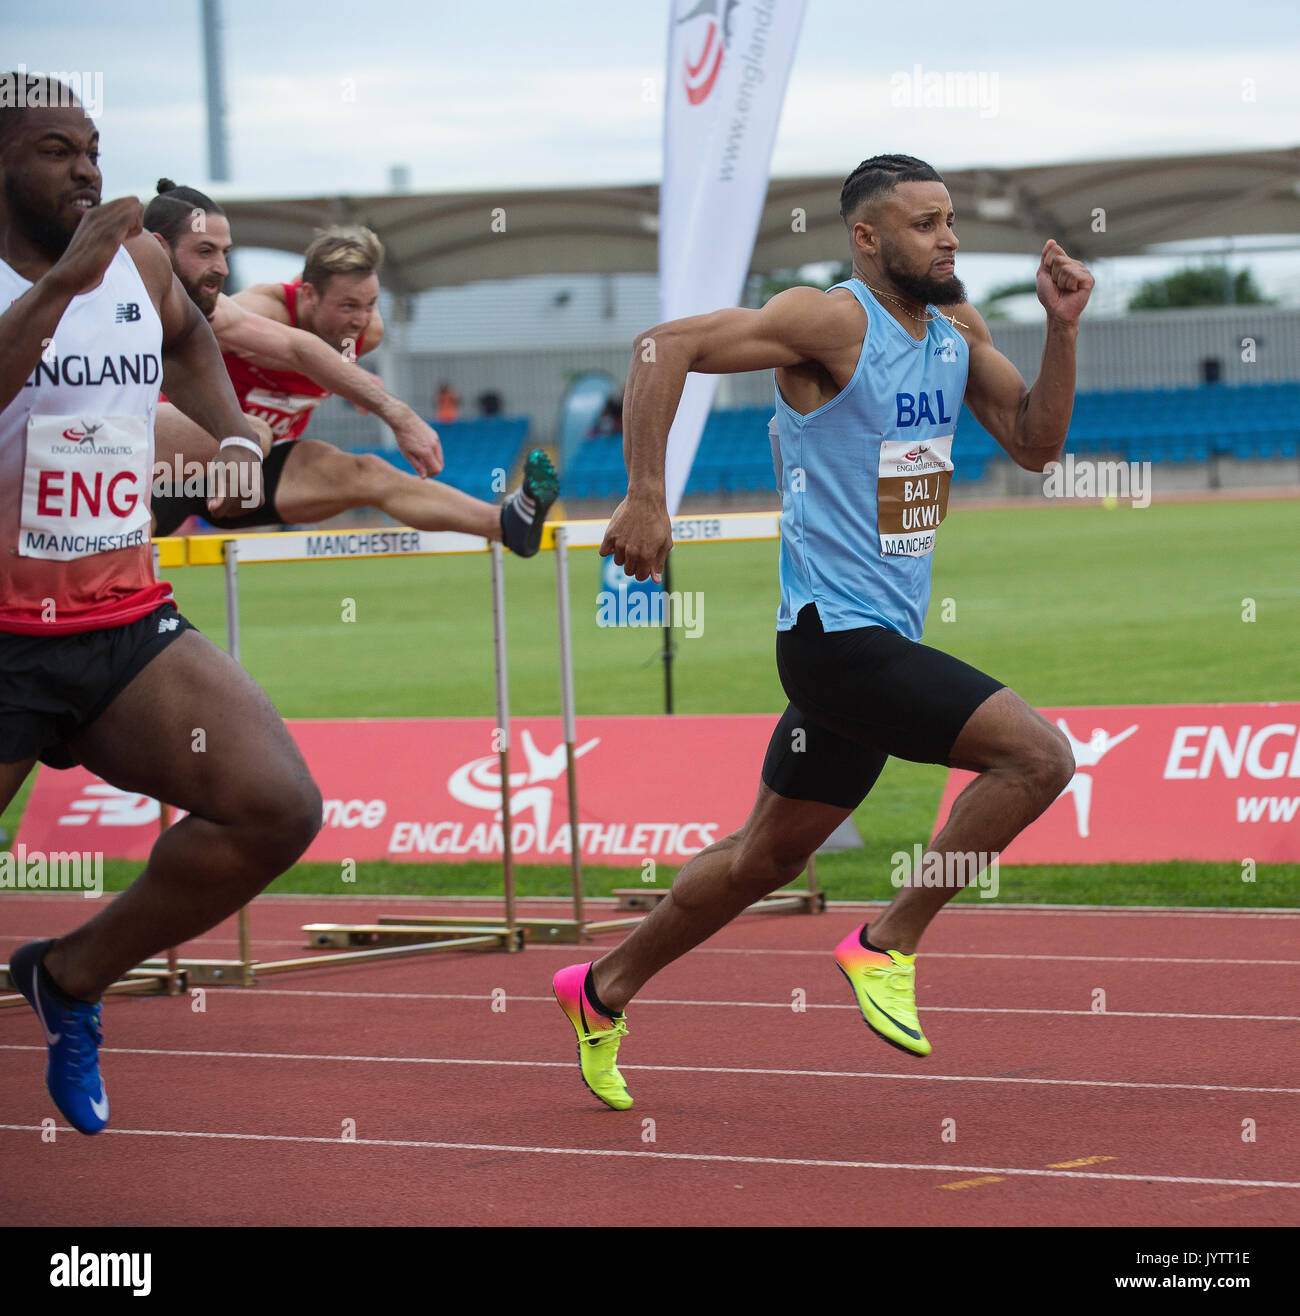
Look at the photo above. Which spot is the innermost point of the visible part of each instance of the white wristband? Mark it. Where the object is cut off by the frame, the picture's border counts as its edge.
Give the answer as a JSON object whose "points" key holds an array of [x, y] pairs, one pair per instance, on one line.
{"points": [[242, 442]]}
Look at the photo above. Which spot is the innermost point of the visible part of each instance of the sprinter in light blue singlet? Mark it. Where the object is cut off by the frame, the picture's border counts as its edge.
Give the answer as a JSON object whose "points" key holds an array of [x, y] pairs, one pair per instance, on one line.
{"points": [[879, 453], [870, 378]]}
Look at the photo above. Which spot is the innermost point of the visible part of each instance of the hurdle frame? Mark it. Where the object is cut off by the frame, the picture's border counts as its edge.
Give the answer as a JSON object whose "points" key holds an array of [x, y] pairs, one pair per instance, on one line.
{"points": [[404, 936], [560, 537], [358, 943]]}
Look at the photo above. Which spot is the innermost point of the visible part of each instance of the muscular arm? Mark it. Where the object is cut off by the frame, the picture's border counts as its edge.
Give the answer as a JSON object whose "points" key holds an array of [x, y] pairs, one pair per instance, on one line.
{"points": [[278, 346], [281, 345], [1031, 423], [27, 329], [197, 383], [796, 326], [194, 375]]}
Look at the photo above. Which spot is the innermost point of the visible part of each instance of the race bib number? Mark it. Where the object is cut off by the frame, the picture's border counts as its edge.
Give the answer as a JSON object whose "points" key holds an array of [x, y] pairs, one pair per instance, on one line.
{"points": [[912, 493], [85, 486], [286, 413]]}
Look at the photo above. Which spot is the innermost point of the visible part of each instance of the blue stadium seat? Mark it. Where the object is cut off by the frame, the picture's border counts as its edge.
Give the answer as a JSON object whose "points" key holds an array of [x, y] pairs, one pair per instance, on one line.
{"points": [[1188, 424], [597, 469], [474, 451], [1171, 425]]}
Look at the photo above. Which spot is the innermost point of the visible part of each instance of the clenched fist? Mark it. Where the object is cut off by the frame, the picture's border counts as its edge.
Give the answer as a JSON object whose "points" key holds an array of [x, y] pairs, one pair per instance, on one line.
{"points": [[1063, 284]]}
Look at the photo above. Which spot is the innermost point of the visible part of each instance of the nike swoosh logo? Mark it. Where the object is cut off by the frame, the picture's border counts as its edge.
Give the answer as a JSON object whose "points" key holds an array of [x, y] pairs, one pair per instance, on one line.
{"points": [[890, 1017], [52, 1038], [100, 1107]]}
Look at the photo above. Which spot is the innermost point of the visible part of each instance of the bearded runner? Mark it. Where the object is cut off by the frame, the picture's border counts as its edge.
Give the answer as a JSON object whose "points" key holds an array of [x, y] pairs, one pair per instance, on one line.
{"points": [[289, 346], [869, 379]]}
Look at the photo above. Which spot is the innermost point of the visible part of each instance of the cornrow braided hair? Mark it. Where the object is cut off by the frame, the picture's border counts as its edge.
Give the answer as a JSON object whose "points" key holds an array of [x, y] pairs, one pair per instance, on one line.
{"points": [[881, 174]]}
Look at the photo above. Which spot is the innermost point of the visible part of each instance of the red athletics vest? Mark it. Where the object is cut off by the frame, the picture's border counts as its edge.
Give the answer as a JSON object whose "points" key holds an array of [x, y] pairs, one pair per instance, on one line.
{"points": [[76, 453], [283, 398]]}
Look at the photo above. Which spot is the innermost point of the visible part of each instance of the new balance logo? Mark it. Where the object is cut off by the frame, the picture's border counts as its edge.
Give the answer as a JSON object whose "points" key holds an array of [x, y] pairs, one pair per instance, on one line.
{"points": [[168, 624], [115, 808], [126, 311]]}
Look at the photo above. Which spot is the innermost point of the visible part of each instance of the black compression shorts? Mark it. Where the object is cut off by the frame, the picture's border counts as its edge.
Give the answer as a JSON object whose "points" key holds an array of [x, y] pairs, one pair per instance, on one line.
{"points": [[171, 513], [54, 686], [856, 697]]}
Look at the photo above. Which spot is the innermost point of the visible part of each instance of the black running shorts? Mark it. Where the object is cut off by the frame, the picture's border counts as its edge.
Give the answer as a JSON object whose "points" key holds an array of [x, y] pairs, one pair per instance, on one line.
{"points": [[54, 686], [856, 697], [171, 513]]}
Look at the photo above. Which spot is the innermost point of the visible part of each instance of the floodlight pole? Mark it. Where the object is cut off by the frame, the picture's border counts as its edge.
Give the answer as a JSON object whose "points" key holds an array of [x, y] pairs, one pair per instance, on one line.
{"points": [[214, 76]]}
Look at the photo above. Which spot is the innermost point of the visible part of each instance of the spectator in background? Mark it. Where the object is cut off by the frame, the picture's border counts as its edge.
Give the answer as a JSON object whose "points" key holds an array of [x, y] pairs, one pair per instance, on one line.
{"points": [[447, 408], [610, 420]]}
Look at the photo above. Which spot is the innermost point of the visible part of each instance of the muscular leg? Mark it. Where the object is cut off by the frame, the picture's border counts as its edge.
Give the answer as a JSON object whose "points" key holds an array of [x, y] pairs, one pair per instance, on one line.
{"points": [[253, 807], [319, 481], [1024, 763], [715, 886]]}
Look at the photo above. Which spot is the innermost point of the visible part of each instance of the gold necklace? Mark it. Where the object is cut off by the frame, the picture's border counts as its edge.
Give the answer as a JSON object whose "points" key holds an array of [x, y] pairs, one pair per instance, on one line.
{"points": [[951, 319]]}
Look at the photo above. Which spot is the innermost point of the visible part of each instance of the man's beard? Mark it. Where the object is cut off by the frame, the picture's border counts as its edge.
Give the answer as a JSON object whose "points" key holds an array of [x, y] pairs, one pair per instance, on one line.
{"points": [[204, 300], [43, 232], [924, 288]]}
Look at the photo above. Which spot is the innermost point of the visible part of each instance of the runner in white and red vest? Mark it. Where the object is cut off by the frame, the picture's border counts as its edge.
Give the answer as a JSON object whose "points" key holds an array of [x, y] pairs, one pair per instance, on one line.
{"points": [[96, 664]]}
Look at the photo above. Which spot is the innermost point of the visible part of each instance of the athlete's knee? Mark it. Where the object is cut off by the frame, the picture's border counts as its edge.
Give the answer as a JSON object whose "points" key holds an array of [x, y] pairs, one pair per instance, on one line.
{"points": [[764, 864], [282, 819], [374, 474], [1046, 762], [301, 812]]}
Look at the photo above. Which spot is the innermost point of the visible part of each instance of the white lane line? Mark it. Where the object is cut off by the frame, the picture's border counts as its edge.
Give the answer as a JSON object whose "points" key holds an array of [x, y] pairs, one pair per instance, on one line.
{"points": [[983, 955], [182, 1054], [753, 1005], [766, 1004], [200, 941], [677, 1156], [205, 943]]}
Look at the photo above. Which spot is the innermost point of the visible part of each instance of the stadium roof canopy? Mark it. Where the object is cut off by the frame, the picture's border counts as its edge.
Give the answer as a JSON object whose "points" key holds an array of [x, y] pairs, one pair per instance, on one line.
{"points": [[440, 239]]}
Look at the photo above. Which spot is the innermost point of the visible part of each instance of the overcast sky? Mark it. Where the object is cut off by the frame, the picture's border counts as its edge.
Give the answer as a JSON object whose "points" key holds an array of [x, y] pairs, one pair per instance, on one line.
{"points": [[328, 95]]}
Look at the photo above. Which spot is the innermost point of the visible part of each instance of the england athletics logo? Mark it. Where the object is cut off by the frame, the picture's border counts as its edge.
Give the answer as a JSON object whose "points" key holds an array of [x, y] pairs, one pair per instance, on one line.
{"points": [[700, 70]]}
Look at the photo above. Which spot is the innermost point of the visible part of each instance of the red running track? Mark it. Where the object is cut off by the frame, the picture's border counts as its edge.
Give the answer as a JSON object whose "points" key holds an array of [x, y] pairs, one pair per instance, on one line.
{"points": [[1034, 1109]]}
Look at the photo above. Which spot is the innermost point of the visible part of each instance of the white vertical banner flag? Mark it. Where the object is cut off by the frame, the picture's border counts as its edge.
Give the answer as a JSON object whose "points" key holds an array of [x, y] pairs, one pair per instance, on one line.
{"points": [[728, 65]]}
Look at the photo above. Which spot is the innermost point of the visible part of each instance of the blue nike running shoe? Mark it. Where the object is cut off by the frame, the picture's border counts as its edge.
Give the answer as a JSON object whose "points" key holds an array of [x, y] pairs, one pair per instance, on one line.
{"points": [[72, 1034]]}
